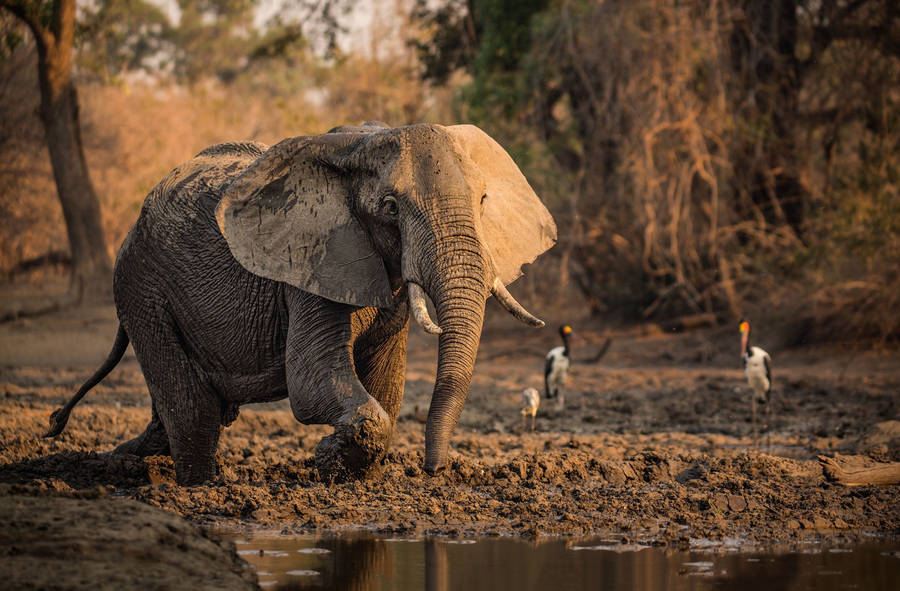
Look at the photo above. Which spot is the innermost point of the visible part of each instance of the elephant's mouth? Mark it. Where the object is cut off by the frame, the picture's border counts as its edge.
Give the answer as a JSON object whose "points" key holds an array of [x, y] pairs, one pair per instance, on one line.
{"points": [[419, 307]]}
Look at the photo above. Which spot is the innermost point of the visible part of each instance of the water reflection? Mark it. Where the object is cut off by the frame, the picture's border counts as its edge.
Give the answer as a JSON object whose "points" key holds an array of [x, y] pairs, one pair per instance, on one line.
{"points": [[437, 566], [360, 563]]}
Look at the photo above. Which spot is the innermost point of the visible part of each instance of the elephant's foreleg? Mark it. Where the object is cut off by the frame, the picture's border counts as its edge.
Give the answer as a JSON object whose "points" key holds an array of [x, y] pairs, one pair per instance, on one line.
{"points": [[154, 441], [360, 440], [323, 388], [381, 366]]}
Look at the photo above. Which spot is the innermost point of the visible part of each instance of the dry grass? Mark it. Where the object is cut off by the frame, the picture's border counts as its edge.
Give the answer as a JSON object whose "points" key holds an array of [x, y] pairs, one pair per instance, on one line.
{"points": [[134, 134]]}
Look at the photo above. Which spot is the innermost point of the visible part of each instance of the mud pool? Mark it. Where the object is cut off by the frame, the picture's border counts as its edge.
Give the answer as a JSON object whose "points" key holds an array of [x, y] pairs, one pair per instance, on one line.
{"points": [[360, 561], [654, 445]]}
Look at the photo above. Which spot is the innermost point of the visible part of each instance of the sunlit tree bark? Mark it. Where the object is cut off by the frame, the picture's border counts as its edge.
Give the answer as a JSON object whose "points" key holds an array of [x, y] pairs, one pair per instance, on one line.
{"points": [[53, 27]]}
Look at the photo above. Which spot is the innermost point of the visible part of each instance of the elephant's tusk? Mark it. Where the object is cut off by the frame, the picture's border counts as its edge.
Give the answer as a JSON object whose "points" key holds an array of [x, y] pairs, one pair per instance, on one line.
{"points": [[420, 309], [512, 306]]}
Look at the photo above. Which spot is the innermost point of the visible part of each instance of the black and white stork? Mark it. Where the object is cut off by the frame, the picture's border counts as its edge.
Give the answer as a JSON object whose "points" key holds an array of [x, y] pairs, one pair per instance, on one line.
{"points": [[557, 368], [758, 369]]}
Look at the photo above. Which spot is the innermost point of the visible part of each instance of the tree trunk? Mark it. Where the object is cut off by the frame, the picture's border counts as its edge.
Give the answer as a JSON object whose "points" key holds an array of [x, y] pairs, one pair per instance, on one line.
{"points": [[91, 270]]}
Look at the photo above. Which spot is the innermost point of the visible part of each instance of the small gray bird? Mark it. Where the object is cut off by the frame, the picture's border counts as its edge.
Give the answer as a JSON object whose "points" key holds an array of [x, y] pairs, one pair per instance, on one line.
{"points": [[531, 400]]}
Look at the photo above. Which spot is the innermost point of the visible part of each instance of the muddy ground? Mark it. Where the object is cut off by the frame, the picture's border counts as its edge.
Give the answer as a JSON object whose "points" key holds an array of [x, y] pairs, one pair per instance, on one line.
{"points": [[654, 443]]}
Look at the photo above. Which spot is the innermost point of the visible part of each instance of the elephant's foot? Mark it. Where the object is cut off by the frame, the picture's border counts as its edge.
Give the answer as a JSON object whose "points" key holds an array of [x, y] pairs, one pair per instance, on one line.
{"points": [[152, 442], [194, 455], [356, 446], [194, 470]]}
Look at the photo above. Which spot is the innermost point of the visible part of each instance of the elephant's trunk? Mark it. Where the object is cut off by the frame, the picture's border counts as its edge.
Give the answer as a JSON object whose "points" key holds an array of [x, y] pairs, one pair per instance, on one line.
{"points": [[460, 311], [454, 275], [459, 273]]}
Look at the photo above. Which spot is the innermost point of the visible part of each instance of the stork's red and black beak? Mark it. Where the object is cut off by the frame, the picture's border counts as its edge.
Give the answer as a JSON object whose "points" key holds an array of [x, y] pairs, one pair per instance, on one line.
{"points": [[744, 328]]}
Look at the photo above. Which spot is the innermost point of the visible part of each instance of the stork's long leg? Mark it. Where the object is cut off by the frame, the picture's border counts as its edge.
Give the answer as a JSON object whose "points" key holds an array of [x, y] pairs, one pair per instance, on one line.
{"points": [[753, 418]]}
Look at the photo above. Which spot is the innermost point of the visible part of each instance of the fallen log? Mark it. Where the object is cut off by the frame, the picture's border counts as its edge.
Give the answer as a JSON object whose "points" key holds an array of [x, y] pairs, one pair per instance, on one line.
{"points": [[603, 349], [859, 470], [689, 322]]}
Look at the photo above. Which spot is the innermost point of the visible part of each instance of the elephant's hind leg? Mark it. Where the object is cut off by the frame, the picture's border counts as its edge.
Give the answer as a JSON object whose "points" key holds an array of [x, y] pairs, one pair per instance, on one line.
{"points": [[188, 408], [154, 441]]}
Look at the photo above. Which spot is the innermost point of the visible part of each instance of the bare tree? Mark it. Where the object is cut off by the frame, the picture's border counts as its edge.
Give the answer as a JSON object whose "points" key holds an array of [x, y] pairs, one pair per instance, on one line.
{"points": [[53, 27]]}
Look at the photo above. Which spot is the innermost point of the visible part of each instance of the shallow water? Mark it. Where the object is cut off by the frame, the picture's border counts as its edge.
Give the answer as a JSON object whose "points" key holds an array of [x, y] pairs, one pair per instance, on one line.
{"points": [[363, 562]]}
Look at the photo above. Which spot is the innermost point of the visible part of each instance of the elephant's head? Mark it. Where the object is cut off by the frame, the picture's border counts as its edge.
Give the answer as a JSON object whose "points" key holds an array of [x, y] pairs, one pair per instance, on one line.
{"points": [[355, 215]]}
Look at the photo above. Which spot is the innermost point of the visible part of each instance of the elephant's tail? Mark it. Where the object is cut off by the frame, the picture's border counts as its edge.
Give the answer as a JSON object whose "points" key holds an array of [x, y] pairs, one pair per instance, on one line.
{"points": [[60, 416]]}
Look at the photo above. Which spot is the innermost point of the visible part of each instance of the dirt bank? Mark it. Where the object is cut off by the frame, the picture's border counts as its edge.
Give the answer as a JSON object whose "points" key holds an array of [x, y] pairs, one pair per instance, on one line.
{"points": [[90, 540], [654, 442]]}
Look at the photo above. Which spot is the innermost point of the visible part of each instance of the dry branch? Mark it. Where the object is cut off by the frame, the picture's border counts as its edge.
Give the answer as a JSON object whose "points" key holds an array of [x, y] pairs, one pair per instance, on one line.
{"points": [[859, 470], [599, 355]]}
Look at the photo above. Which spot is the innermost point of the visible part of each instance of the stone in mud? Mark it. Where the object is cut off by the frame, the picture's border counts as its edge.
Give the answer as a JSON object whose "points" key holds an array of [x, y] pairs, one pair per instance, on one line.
{"points": [[695, 472], [736, 503], [719, 503]]}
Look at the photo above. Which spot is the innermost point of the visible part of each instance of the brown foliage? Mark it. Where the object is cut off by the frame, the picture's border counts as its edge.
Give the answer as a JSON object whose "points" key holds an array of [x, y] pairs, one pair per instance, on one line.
{"points": [[727, 158], [136, 132]]}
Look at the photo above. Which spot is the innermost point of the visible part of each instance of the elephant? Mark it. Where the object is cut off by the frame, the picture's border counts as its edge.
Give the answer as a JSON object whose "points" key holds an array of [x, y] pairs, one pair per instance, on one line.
{"points": [[256, 273]]}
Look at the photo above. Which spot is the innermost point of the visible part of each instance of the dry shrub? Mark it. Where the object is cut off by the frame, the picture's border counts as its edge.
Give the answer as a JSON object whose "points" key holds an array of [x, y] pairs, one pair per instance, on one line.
{"points": [[844, 284], [676, 162], [695, 165], [849, 311], [652, 228]]}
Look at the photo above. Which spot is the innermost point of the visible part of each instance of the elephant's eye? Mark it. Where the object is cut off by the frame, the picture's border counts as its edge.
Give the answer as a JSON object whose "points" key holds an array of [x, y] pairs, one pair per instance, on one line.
{"points": [[483, 197], [389, 206]]}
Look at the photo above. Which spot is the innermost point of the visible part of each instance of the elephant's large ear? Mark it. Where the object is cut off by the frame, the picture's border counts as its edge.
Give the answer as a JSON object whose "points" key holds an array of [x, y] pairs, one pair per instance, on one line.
{"points": [[517, 226], [287, 217]]}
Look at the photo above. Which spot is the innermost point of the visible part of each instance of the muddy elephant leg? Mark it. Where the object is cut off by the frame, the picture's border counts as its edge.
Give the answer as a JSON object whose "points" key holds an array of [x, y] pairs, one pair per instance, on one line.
{"points": [[323, 388], [381, 367], [154, 441], [187, 406]]}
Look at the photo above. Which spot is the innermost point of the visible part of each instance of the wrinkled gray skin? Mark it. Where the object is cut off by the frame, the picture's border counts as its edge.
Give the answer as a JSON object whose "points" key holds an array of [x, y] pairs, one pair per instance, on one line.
{"points": [[255, 273]]}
